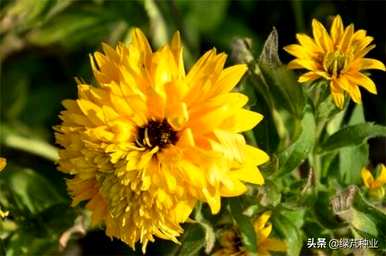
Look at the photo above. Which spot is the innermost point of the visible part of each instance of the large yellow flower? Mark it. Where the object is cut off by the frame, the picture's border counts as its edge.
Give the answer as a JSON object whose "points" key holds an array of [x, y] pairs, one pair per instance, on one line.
{"points": [[150, 140], [338, 57]]}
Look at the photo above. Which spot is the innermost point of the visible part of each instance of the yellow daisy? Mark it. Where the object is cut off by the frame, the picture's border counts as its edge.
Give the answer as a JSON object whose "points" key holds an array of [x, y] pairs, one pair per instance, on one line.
{"points": [[375, 186], [230, 241], [151, 140], [338, 57]]}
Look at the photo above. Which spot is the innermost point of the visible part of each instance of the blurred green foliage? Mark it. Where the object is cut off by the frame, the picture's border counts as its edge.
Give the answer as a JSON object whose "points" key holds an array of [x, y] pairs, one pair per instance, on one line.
{"points": [[45, 43]]}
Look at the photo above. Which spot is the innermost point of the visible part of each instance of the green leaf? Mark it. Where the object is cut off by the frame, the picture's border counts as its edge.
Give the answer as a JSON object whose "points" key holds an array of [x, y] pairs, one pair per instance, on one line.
{"points": [[33, 191], [269, 194], [72, 28], [295, 154], [353, 135], [286, 226], [248, 234], [24, 243], [210, 236], [264, 134], [351, 162], [270, 55], [213, 11], [366, 219], [193, 240], [281, 82]]}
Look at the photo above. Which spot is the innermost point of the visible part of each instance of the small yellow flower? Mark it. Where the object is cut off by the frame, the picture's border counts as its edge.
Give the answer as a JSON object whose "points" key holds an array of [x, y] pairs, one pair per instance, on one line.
{"points": [[151, 140], [230, 241], [3, 163], [263, 230], [338, 57], [375, 186]]}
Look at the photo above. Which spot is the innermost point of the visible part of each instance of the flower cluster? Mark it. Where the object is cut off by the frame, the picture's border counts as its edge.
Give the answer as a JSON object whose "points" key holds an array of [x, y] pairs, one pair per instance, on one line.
{"points": [[150, 140]]}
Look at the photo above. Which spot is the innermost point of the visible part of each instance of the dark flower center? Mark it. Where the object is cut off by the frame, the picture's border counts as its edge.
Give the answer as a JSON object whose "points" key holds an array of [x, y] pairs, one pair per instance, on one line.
{"points": [[156, 133], [334, 63]]}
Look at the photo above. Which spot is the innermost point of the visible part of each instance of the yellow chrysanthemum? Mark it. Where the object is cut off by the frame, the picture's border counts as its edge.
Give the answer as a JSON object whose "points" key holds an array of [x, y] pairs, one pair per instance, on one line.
{"points": [[338, 57], [375, 186], [3, 163], [150, 140], [231, 243]]}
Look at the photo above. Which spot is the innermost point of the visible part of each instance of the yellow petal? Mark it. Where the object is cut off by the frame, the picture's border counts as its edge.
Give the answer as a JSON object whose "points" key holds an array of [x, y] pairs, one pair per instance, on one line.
{"points": [[275, 245], [183, 210], [139, 41], [264, 233], [235, 189], [176, 48], [309, 76], [91, 111], [363, 52], [337, 29], [362, 80], [367, 177], [307, 42], [249, 174], [303, 63], [3, 163], [254, 155], [242, 120], [367, 63], [350, 88], [321, 36], [260, 222], [179, 117], [229, 78], [3, 214], [347, 38], [297, 51], [337, 94], [186, 138], [213, 200], [382, 176]]}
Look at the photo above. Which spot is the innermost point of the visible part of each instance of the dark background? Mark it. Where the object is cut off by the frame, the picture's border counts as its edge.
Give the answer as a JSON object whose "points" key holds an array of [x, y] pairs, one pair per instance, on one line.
{"points": [[42, 51]]}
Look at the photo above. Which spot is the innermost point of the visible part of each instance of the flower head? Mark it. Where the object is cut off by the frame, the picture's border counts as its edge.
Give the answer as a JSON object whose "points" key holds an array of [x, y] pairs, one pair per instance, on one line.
{"points": [[230, 240], [338, 57], [375, 186], [151, 140]]}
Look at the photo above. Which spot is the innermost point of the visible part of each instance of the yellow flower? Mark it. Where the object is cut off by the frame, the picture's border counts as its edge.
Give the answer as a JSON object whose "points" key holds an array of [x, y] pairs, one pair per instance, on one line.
{"points": [[263, 230], [375, 186], [338, 57], [151, 140], [3, 163], [230, 241]]}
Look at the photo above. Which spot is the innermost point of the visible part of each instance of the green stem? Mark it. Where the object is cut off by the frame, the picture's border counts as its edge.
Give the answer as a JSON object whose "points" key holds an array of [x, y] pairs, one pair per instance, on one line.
{"points": [[33, 146], [157, 23]]}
